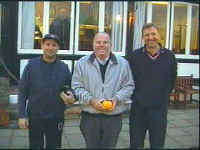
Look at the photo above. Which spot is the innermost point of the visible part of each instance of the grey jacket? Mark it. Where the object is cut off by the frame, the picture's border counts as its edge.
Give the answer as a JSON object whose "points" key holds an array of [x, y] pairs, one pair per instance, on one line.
{"points": [[118, 84]]}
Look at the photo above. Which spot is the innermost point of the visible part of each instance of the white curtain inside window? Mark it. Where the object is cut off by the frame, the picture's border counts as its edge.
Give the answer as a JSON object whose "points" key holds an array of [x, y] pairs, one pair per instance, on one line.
{"points": [[139, 22], [117, 26], [28, 25]]}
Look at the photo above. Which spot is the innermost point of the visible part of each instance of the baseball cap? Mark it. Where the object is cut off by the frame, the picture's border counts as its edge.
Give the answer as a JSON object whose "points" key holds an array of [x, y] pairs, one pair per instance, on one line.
{"points": [[51, 37]]}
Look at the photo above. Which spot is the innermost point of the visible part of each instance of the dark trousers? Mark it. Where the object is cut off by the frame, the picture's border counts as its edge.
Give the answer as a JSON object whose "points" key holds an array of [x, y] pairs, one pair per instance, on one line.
{"points": [[100, 131], [45, 133], [143, 119]]}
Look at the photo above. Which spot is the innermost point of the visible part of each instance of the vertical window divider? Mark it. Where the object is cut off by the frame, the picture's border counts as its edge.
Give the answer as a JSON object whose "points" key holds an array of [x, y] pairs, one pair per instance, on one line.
{"points": [[71, 46], [168, 26], [46, 18], [125, 13], [101, 16], [77, 27], [149, 14], [172, 26], [188, 30], [19, 27]]}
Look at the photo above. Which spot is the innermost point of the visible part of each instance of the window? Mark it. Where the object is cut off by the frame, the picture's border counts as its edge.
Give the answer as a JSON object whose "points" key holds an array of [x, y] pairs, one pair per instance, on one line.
{"points": [[38, 31], [39, 18], [180, 28], [158, 13], [159, 17], [194, 41], [114, 23], [59, 22], [32, 25], [74, 22], [88, 24], [100, 16]]}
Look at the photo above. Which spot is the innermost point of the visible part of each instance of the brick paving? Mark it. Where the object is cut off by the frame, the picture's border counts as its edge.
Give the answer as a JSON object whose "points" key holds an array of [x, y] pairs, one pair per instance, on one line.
{"points": [[182, 132]]}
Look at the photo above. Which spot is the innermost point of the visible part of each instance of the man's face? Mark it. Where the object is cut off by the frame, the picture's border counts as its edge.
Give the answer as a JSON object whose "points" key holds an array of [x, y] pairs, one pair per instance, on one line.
{"points": [[151, 37], [50, 48], [102, 46], [63, 13]]}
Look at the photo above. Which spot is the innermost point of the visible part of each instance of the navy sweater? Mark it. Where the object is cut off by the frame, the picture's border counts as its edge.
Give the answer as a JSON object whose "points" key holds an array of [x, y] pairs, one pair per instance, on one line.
{"points": [[154, 79], [40, 85]]}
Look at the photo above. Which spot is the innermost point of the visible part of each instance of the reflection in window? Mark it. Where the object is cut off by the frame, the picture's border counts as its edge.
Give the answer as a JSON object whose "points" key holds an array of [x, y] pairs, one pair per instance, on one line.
{"points": [[159, 13], [194, 41], [38, 24], [32, 24], [131, 20], [179, 33], [114, 23], [59, 22], [88, 24]]}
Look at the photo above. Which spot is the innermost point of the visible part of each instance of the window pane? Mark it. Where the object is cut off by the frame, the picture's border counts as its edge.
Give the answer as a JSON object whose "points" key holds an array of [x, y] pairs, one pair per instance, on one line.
{"points": [[88, 24], [59, 21], [32, 24], [159, 13], [38, 24], [194, 42], [179, 33], [114, 23]]}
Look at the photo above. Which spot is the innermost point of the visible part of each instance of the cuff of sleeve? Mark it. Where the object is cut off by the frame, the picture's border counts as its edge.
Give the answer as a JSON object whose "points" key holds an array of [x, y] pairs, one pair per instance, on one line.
{"points": [[116, 98], [89, 100]]}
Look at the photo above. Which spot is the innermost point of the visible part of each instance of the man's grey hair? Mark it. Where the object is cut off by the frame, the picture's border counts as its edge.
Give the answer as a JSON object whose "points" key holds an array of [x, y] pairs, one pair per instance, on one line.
{"points": [[149, 25], [101, 33]]}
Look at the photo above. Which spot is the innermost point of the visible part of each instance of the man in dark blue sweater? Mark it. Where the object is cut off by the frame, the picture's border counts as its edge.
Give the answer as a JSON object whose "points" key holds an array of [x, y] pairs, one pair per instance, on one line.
{"points": [[154, 70], [40, 86]]}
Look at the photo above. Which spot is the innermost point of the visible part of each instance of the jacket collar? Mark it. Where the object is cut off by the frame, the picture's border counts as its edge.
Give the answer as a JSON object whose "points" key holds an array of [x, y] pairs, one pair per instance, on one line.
{"points": [[112, 58]]}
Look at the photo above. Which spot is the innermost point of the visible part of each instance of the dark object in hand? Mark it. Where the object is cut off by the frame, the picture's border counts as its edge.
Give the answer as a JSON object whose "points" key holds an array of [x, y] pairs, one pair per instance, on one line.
{"points": [[66, 89]]}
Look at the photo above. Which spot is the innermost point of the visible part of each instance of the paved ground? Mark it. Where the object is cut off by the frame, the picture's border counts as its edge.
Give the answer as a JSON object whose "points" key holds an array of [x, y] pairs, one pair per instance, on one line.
{"points": [[182, 132]]}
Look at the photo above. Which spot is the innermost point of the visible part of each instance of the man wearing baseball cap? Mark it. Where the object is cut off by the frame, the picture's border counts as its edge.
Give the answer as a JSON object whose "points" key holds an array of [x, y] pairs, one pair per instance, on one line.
{"points": [[40, 86]]}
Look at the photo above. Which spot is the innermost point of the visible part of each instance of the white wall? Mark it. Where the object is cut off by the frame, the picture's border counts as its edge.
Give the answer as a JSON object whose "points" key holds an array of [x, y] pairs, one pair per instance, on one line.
{"points": [[185, 69]]}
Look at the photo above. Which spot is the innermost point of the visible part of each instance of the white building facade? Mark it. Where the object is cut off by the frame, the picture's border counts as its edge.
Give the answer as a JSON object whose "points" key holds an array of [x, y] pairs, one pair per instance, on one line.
{"points": [[178, 23]]}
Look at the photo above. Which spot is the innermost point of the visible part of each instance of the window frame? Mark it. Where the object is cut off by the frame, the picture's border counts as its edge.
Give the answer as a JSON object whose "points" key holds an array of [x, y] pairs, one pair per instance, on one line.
{"points": [[100, 28], [170, 27], [187, 54], [45, 31], [74, 29]]}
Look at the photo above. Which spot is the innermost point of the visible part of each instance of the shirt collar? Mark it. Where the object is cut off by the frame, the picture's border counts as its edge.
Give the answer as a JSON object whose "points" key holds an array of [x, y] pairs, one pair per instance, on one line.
{"points": [[156, 55], [112, 58], [103, 62]]}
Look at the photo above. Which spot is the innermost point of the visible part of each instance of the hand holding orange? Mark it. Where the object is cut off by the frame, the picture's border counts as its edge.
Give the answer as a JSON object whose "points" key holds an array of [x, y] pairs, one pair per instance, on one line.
{"points": [[107, 104]]}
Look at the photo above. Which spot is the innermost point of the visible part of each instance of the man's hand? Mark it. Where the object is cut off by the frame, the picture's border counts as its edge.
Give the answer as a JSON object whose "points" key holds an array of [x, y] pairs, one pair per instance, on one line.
{"points": [[67, 98], [23, 123], [98, 105], [114, 103]]}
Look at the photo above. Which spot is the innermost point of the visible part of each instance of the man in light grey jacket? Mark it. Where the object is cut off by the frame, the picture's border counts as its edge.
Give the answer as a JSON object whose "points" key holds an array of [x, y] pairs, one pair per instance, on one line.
{"points": [[98, 77]]}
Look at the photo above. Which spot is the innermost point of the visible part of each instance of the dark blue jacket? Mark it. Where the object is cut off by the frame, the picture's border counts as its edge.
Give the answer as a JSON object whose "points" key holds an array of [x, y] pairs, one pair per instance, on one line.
{"points": [[40, 85], [154, 79]]}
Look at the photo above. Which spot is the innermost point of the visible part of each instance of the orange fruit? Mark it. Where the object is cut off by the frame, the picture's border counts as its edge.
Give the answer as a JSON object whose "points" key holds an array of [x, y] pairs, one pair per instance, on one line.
{"points": [[107, 104]]}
